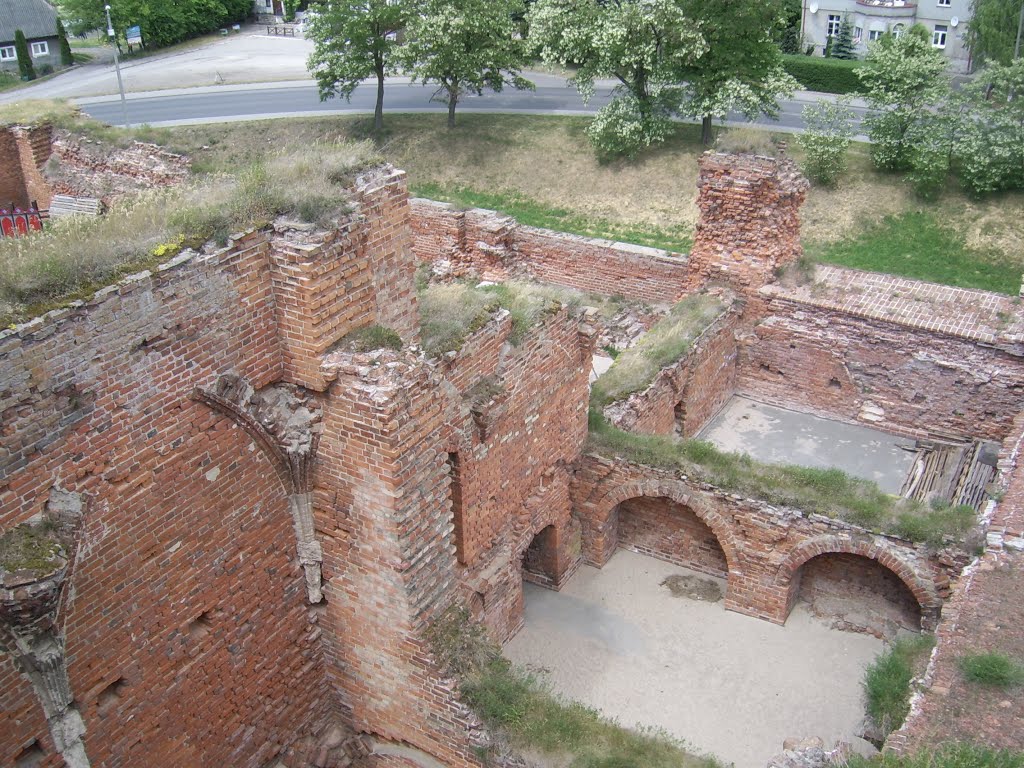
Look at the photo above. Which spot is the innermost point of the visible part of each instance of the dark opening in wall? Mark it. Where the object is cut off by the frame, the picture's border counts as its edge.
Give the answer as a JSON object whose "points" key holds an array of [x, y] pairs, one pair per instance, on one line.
{"points": [[680, 416], [455, 473], [834, 383], [200, 626], [540, 560], [111, 695], [30, 757]]}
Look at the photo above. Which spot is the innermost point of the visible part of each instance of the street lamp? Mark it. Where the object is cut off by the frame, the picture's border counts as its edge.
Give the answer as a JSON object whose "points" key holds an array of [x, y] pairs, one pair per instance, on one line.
{"points": [[117, 67]]}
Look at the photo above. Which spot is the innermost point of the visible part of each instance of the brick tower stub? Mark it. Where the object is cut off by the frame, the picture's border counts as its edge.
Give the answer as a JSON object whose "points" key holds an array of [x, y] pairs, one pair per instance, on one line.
{"points": [[749, 222]]}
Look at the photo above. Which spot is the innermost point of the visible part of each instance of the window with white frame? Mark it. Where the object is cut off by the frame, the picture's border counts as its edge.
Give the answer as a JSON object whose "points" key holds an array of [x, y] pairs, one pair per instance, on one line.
{"points": [[40, 49], [858, 34], [939, 36], [898, 30], [875, 34], [834, 22], [7, 53], [945, 3]]}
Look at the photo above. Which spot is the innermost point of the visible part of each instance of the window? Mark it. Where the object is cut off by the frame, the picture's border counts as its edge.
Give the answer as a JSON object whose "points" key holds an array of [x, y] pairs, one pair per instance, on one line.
{"points": [[834, 22], [875, 34], [8, 53], [40, 49], [945, 3], [858, 34], [939, 36], [898, 30]]}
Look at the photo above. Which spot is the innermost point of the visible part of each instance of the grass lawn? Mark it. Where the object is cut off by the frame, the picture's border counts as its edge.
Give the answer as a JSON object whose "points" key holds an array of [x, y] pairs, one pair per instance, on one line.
{"points": [[542, 170]]}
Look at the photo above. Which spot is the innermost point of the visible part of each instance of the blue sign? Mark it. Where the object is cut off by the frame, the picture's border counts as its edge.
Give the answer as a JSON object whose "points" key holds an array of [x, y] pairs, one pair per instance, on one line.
{"points": [[133, 35]]}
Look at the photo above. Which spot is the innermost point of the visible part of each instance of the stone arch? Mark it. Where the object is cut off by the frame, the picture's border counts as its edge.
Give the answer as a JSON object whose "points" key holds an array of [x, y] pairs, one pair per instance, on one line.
{"points": [[921, 588], [682, 494]]}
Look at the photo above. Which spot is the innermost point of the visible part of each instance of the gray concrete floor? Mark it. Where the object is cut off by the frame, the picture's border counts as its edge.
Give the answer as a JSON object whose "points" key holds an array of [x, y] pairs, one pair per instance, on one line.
{"points": [[781, 436], [729, 685]]}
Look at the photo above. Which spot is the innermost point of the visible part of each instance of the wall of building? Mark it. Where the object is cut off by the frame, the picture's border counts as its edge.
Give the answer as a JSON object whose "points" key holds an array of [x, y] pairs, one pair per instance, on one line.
{"points": [[668, 531], [496, 247], [189, 636], [837, 361]]}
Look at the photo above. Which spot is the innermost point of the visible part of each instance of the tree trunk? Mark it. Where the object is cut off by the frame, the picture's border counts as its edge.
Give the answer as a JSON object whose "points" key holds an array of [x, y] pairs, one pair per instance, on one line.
{"points": [[453, 99], [378, 110], [705, 130]]}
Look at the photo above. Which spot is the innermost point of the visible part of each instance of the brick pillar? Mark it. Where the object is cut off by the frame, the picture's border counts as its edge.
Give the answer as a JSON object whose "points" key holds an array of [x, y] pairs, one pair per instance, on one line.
{"points": [[382, 503], [35, 145], [749, 219]]}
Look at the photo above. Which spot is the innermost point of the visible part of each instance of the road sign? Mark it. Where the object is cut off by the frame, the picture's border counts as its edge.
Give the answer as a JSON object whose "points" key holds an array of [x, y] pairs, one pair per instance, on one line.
{"points": [[133, 35]]}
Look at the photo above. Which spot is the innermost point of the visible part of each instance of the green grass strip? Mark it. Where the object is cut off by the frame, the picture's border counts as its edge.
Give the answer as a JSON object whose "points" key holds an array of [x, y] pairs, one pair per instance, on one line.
{"points": [[952, 755], [916, 245], [887, 680], [534, 214], [996, 670]]}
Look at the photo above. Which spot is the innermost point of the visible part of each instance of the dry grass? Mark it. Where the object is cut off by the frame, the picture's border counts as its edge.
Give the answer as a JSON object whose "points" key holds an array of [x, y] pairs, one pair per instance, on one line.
{"points": [[77, 255], [548, 161]]}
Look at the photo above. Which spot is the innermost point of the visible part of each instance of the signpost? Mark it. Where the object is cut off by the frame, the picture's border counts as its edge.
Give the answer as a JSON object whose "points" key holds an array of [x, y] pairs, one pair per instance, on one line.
{"points": [[133, 35], [117, 67]]}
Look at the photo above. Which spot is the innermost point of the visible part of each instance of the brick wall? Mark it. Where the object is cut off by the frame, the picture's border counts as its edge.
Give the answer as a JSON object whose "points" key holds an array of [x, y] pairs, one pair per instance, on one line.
{"points": [[12, 180], [496, 247], [764, 546], [513, 451], [887, 374], [668, 531], [684, 395]]}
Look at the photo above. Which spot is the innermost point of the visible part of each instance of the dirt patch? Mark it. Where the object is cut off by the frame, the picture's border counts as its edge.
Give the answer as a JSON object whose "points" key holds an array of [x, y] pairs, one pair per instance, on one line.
{"points": [[693, 587]]}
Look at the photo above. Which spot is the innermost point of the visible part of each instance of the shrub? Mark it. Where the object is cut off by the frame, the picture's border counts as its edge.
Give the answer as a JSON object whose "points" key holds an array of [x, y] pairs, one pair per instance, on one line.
{"points": [[825, 75], [887, 681], [825, 140], [746, 141], [25, 67], [621, 129], [992, 669]]}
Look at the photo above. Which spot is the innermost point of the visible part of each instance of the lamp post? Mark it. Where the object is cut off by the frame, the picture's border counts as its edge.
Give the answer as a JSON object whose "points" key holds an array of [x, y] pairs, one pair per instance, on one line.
{"points": [[117, 67]]}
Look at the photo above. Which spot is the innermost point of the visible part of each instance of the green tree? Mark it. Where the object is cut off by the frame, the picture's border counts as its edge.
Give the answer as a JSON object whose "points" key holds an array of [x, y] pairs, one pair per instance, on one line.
{"points": [[992, 30], [162, 23], [842, 47], [354, 40], [464, 46], [25, 68], [789, 38], [825, 139], [66, 57], [742, 68], [645, 46], [990, 147], [902, 77]]}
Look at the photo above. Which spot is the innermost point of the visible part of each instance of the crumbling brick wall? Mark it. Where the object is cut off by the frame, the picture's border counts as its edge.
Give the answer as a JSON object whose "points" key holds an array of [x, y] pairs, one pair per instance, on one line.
{"points": [[511, 449], [686, 394], [495, 247]]}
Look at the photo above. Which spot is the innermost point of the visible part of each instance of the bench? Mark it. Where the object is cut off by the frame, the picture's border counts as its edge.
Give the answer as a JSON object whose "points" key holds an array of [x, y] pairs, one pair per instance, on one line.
{"points": [[67, 205], [281, 29]]}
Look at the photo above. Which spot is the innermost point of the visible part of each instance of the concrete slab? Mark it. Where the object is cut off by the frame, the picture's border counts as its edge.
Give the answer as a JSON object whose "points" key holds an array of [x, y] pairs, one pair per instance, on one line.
{"points": [[729, 685], [781, 436]]}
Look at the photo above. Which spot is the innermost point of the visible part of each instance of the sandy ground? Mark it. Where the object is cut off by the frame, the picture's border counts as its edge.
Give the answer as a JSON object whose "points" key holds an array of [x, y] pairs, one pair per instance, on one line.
{"points": [[781, 436], [729, 685]]}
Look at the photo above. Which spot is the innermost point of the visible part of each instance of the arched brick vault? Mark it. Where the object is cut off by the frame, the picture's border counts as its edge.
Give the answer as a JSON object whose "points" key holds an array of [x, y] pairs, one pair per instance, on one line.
{"points": [[923, 589], [681, 494]]}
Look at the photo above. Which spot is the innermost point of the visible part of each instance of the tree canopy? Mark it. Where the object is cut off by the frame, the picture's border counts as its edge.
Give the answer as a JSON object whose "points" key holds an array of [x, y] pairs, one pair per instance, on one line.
{"points": [[355, 40], [695, 57], [162, 23], [992, 30], [464, 46]]}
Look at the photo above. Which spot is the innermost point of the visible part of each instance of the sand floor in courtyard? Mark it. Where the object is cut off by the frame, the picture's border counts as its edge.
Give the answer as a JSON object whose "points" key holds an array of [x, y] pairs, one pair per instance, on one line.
{"points": [[729, 685]]}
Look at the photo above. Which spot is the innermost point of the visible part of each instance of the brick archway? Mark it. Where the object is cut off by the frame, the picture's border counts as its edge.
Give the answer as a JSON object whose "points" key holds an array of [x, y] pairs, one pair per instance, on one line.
{"points": [[921, 588], [681, 494]]}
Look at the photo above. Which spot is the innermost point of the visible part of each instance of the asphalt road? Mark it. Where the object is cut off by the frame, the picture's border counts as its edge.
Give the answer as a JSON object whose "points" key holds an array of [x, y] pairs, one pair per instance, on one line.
{"points": [[218, 104]]}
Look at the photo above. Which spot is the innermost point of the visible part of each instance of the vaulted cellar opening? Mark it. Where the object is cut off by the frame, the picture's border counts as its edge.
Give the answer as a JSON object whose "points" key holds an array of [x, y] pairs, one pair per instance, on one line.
{"points": [[670, 531]]}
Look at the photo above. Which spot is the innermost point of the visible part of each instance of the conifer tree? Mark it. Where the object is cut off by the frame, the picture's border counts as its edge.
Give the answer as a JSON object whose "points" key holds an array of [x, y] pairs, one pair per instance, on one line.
{"points": [[28, 72], [842, 46], [66, 57]]}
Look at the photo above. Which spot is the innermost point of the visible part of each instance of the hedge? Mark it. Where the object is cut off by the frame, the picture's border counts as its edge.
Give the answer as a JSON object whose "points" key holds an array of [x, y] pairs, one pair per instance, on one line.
{"points": [[825, 75]]}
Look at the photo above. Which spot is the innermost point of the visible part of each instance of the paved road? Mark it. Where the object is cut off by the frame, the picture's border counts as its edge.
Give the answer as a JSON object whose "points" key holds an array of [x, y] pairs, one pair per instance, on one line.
{"points": [[249, 102]]}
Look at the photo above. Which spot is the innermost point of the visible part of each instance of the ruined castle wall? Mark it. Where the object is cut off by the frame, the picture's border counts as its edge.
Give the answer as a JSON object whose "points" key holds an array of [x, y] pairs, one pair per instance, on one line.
{"points": [[187, 632], [685, 395], [496, 247], [888, 373], [668, 531], [764, 546], [12, 178], [514, 443], [382, 503]]}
